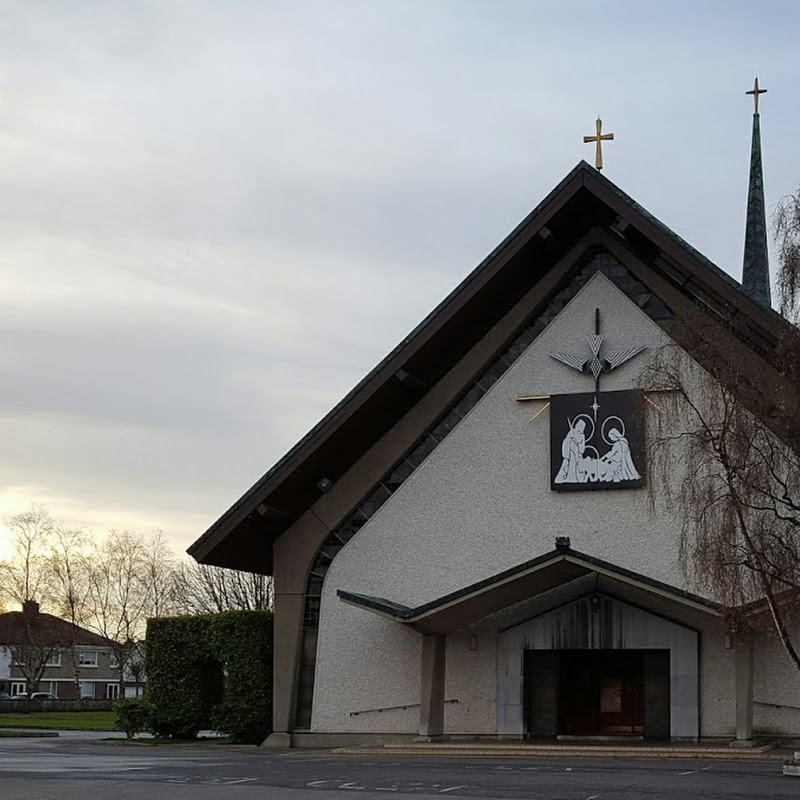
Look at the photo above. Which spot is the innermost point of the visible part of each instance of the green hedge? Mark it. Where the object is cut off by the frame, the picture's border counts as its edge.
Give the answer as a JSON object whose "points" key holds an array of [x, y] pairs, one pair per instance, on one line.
{"points": [[212, 671]]}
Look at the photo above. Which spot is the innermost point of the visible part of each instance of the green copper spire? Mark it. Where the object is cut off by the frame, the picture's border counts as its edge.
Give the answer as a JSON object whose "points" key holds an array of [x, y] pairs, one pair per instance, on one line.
{"points": [[755, 273]]}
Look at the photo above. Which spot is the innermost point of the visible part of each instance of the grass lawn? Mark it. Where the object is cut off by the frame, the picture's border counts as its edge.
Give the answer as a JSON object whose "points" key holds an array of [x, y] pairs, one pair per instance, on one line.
{"points": [[64, 720]]}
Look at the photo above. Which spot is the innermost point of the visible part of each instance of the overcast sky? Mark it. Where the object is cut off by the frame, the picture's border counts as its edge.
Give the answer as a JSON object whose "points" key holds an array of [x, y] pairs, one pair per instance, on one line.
{"points": [[216, 217]]}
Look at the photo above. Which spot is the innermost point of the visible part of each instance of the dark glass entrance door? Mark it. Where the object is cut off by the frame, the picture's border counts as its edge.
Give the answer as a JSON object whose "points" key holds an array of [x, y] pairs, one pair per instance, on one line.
{"points": [[601, 692], [597, 692]]}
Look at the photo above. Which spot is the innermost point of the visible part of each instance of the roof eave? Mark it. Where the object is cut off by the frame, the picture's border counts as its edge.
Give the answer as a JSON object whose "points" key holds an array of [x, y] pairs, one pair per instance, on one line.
{"points": [[423, 615], [208, 547], [259, 493]]}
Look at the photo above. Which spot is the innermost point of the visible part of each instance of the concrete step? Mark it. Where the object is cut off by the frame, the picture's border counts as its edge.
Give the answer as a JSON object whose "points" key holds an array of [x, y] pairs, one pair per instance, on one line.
{"points": [[498, 750]]}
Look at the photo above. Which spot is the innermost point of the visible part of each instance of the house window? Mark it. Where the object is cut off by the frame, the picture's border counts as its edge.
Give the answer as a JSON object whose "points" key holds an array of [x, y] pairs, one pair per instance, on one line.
{"points": [[54, 660], [17, 688], [112, 691], [113, 661], [87, 689], [87, 658]]}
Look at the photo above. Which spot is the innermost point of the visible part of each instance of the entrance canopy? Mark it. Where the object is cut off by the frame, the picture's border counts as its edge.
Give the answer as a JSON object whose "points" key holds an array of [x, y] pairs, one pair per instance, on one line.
{"points": [[553, 569]]}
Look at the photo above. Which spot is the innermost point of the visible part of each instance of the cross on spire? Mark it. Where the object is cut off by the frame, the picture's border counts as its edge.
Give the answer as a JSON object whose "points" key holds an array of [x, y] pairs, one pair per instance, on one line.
{"points": [[755, 91], [599, 137]]}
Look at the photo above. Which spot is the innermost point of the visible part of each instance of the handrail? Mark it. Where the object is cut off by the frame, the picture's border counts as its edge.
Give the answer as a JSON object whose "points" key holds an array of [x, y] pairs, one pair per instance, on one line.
{"points": [[394, 708], [774, 705]]}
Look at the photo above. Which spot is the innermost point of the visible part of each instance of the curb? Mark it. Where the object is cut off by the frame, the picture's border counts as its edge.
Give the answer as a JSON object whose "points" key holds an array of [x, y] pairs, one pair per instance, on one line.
{"points": [[7, 733]]}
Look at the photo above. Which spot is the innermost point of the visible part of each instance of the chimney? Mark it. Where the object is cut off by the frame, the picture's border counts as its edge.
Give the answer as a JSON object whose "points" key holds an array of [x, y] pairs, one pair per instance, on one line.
{"points": [[30, 608]]}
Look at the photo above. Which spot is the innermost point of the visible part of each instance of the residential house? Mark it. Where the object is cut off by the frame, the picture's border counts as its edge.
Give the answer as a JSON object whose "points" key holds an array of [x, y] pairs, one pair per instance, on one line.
{"points": [[35, 637]]}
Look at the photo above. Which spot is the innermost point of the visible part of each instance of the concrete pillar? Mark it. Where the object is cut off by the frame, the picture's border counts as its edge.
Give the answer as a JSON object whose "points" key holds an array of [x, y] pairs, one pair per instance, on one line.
{"points": [[288, 626], [431, 711], [743, 673]]}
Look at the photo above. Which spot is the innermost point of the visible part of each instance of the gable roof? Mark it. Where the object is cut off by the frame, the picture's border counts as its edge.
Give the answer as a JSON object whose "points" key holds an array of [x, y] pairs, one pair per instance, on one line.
{"points": [[457, 610], [45, 630], [585, 201]]}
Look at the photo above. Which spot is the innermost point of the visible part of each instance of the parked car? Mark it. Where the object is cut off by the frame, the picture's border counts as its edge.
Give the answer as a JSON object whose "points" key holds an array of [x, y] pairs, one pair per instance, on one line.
{"points": [[35, 696], [5, 696]]}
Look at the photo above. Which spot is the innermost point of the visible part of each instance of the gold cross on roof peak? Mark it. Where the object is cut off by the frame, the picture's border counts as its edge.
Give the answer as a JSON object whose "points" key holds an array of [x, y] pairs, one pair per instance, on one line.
{"points": [[599, 138], [755, 91]]}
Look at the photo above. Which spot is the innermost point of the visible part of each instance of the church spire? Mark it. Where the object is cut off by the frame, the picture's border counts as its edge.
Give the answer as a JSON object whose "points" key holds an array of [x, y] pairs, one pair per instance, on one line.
{"points": [[755, 273]]}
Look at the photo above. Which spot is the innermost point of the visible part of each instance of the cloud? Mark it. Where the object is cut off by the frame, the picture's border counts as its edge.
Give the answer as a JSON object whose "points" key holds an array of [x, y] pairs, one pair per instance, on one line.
{"points": [[216, 217]]}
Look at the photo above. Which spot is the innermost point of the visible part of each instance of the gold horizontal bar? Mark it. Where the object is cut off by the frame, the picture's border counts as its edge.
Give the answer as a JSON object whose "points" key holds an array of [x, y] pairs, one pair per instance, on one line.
{"points": [[662, 389], [526, 397]]}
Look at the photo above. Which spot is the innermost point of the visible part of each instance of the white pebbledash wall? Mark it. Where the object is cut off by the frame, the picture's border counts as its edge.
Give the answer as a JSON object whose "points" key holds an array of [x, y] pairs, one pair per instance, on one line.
{"points": [[776, 685], [479, 504]]}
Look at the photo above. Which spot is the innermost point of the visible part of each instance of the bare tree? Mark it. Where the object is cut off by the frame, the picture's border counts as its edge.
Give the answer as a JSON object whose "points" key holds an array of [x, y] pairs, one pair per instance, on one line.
{"points": [[786, 230], [205, 589], [36, 643], [130, 578], [158, 575], [109, 585], [738, 490], [117, 593], [27, 575], [70, 570]]}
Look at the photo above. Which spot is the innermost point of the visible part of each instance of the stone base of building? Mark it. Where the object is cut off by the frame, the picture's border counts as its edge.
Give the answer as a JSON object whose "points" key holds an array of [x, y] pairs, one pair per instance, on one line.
{"points": [[277, 741], [312, 740]]}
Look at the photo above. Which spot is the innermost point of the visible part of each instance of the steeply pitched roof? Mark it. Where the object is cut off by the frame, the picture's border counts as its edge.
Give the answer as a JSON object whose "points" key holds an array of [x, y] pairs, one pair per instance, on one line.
{"points": [[44, 630], [583, 202]]}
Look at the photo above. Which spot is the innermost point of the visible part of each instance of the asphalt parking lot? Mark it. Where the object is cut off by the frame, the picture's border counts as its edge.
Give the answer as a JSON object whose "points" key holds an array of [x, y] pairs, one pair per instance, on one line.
{"points": [[79, 766]]}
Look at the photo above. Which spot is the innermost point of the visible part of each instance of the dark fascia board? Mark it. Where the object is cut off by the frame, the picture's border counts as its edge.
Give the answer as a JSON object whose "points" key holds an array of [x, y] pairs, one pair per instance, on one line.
{"points": [[409, 615], [396, 359], [693, 266], [699, 269]]}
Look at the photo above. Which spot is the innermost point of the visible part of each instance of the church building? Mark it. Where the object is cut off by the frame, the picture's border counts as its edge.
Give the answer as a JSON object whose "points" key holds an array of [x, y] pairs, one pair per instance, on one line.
{"points": [[467, 544]]}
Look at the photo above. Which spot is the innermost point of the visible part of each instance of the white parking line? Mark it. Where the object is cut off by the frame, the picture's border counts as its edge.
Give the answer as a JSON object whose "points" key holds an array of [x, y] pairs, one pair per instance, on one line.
{"points": [[450, 789]]}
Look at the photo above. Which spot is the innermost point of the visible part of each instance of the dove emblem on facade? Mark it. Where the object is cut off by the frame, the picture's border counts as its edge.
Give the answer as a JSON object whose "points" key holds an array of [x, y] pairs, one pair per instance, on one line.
{"points": [[597, 362]]}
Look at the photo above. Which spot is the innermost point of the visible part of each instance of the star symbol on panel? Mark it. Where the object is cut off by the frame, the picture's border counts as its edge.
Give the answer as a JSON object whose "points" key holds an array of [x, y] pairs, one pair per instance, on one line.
{"points": [[596, 363]]}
